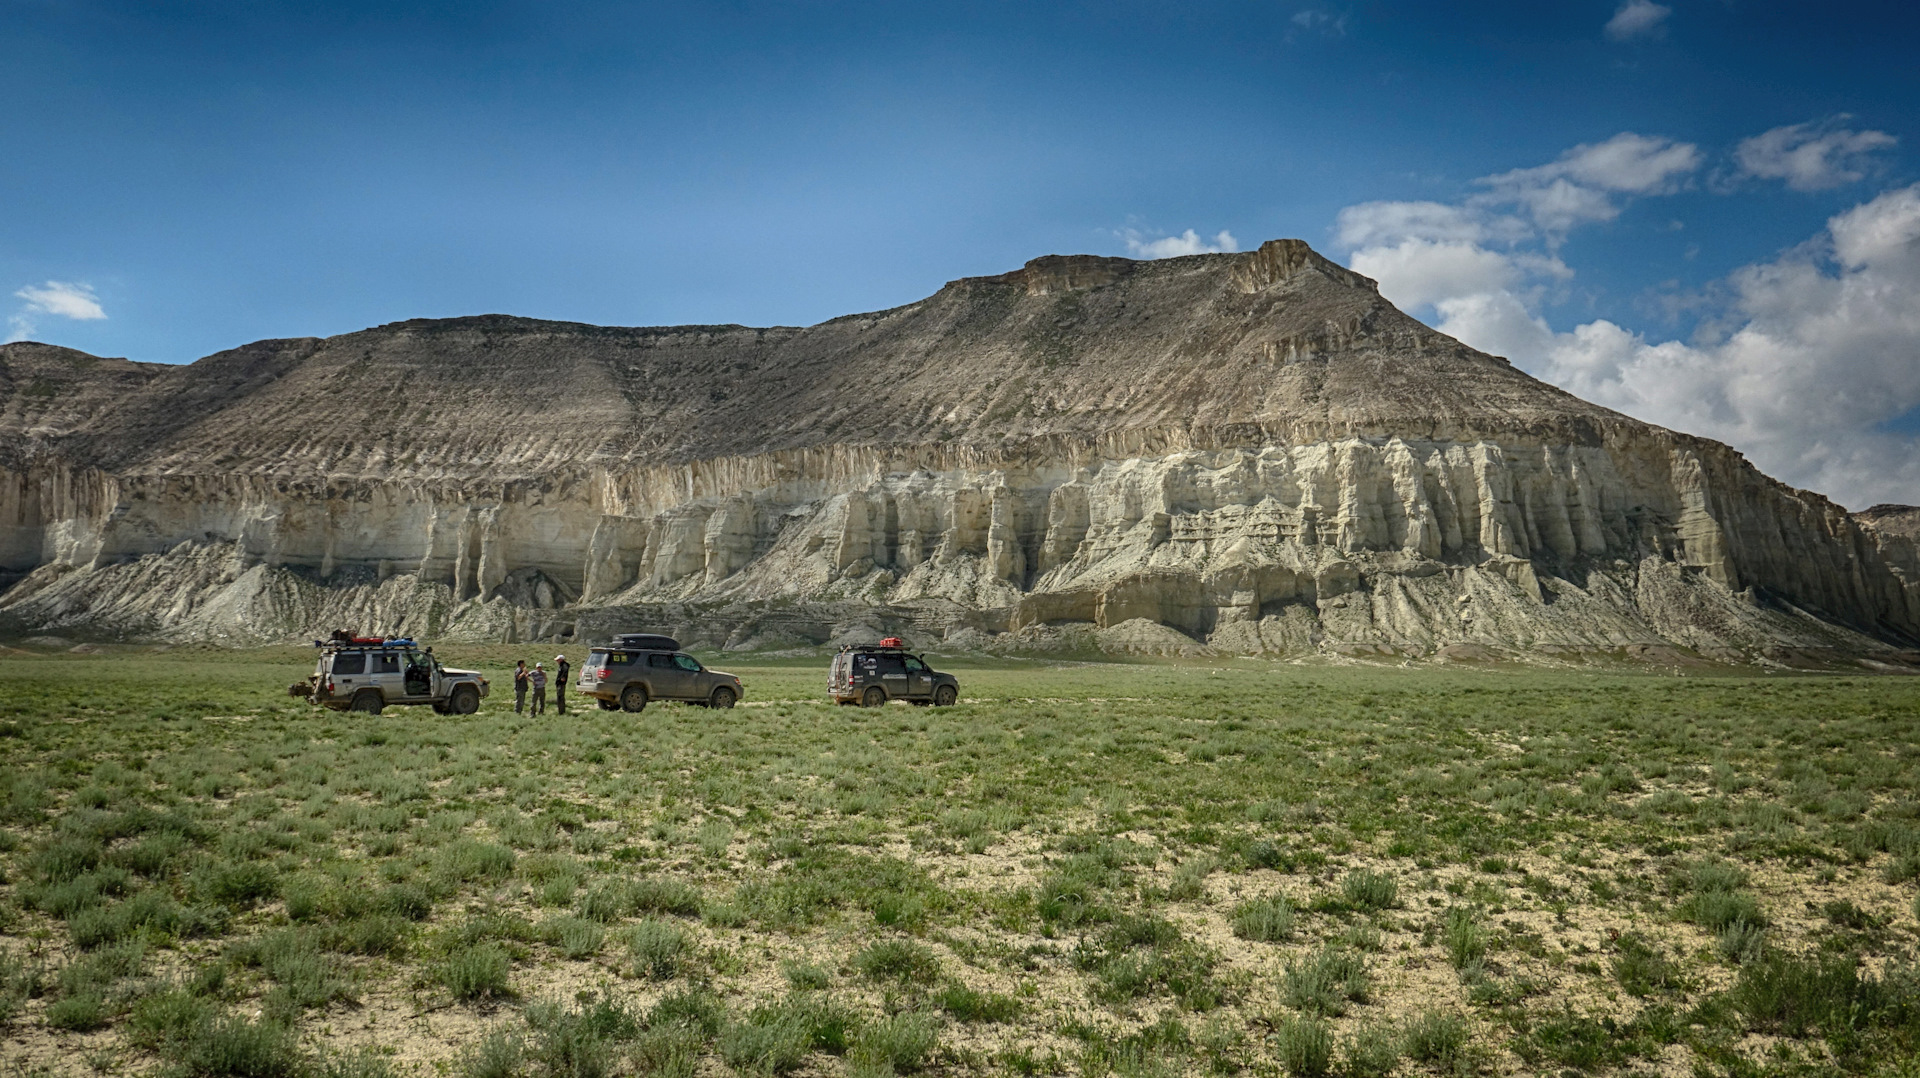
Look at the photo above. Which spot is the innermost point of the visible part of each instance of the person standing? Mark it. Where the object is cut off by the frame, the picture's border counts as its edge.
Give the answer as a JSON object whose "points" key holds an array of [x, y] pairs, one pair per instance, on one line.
{"points": [[539, 680], [519, 686], [561, 668]]}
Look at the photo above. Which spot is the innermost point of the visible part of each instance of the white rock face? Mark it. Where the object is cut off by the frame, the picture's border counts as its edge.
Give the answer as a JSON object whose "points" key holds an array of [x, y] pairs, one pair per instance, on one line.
{"points": [[1315, 473]]}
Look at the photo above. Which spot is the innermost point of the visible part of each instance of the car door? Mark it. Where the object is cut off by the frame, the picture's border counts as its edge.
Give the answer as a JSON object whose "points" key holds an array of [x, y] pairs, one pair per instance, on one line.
{"points": [[919, 678], [383, 671], [698, 684], [893, 675], [666, 680], [348, 673], [420, 675]]}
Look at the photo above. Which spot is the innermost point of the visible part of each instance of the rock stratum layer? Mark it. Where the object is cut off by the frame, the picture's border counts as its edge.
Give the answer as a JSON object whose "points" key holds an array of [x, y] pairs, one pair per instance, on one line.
{"points": [[1253, 452]]}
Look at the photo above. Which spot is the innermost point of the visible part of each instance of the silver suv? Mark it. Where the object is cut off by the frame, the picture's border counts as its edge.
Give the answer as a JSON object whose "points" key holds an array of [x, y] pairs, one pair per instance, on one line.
{"points": [[633, 669], [357, 673]]}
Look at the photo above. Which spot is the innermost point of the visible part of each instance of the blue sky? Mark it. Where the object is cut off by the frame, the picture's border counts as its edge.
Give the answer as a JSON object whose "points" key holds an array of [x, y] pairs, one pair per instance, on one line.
{"points": [[1617, 195]]}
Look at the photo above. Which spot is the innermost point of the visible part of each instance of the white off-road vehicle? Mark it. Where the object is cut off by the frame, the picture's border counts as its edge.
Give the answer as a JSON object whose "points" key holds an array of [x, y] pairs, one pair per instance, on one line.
{"points": [[360, 673]]}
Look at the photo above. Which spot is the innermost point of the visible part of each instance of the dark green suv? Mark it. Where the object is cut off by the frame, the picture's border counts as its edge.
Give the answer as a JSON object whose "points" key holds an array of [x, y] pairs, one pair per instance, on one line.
{"points": [[872, 674]]}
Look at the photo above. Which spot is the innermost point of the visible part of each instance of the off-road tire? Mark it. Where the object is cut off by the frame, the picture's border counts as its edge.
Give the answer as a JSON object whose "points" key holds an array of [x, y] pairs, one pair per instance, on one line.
{"points": [[945, 695], [464, 701], [723, 697], [607, 705], [368, 701], [634, 698], [875, 696]]}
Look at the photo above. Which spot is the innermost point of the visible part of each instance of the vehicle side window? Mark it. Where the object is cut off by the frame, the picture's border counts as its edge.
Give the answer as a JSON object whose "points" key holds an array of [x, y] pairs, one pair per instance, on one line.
{"points": [[915, 666], [687, 662], [386, 663], [350, 663], [618, 658], [660, 662], [891, 664]]}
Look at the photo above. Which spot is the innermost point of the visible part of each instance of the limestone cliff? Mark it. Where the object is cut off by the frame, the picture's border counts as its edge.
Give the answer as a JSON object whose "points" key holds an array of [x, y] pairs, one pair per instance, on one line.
{"points": [[1254, 450]]}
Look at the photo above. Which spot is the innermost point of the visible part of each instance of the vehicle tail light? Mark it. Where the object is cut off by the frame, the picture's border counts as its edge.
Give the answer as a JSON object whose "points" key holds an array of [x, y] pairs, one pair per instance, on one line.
{"points": [[329, 686]]}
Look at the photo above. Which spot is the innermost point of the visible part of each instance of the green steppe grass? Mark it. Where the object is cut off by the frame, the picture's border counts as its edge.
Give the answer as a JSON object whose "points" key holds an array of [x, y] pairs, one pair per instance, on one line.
{"points": [[1082, 869]]}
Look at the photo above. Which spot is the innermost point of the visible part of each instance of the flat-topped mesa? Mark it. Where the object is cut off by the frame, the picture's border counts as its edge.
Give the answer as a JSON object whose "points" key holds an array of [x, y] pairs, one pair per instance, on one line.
{"points": [[1253, 449]]}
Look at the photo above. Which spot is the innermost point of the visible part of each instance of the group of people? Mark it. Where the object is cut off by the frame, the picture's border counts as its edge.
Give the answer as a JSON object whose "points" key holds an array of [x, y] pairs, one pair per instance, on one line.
{"points": [[536, 680]]}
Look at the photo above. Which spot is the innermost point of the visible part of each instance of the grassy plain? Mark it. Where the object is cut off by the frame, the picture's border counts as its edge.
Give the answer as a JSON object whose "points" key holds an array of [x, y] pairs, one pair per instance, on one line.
{"points": [[1082, 869]]}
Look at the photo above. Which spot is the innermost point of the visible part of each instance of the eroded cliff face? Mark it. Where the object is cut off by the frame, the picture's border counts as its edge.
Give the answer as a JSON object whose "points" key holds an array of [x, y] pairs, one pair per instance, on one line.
{"points": [[1254, 452]]}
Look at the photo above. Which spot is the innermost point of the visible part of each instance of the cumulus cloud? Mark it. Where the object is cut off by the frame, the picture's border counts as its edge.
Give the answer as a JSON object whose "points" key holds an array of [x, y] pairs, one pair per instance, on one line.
{"points": [[1811, 157], [62, 299], [1372, 223], [1812, 366], [1186, 243], [1808, 363], [1577, 188], [1637, 19]]}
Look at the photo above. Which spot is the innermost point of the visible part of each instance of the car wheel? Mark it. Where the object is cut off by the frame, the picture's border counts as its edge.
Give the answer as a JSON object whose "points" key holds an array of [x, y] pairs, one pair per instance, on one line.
{"points": [[634, 699], [369, 701], [945, 695], [465, 701], [874, 697], [608, 705], [722, 697]]}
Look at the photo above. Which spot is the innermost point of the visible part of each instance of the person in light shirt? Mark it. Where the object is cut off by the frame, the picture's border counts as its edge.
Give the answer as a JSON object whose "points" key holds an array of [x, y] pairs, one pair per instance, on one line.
{"points": [[538, 679]]}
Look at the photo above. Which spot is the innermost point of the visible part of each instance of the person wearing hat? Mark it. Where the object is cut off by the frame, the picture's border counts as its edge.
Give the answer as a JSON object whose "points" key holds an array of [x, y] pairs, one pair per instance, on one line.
{"points": [[538, 679], [560, 670]]}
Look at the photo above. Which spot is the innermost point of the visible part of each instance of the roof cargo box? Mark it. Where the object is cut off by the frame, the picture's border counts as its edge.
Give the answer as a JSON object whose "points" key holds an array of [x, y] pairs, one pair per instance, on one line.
{"points": [[646, 642]]}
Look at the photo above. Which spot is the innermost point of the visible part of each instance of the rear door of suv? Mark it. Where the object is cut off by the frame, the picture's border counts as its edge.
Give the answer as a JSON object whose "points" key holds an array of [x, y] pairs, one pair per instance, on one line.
{"points": [[383, 670], [348, 673]]}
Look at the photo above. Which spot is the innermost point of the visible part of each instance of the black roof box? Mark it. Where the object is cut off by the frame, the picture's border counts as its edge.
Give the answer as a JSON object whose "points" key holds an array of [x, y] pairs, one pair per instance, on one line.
{"points": [[646, 642]]}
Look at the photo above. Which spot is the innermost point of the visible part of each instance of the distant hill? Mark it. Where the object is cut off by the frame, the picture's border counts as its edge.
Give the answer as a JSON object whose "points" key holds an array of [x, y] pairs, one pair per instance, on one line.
{"points": [[1252, 452]]}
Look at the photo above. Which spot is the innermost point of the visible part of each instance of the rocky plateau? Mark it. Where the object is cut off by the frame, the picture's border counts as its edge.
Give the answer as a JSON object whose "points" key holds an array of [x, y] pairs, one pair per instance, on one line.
{"points": [[1250, 453]]}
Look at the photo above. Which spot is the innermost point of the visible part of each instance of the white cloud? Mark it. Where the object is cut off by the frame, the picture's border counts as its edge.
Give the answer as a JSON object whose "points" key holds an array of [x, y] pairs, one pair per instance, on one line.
{"points": [[63, 298], [1575, 189], [1417, 273], [1810, 157], [1372, 223], [1818, 355], [1807, 363], [1323, 21], [1638, 18], [1187, 243]]}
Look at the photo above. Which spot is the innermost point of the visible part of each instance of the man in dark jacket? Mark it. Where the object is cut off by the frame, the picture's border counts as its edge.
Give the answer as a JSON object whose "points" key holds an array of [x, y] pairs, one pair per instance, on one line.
{"points": [[561, 668], [519, 686]]}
